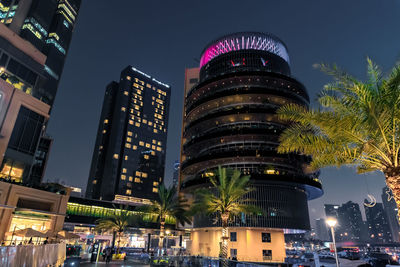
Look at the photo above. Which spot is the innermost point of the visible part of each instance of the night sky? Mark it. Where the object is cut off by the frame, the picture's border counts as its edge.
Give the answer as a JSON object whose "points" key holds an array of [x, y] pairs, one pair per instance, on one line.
{"points": [[162, 38]]}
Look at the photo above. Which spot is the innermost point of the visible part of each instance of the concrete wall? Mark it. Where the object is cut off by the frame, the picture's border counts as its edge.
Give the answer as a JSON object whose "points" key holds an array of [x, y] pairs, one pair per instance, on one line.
{"points": [[11, 193], [249, 245]]}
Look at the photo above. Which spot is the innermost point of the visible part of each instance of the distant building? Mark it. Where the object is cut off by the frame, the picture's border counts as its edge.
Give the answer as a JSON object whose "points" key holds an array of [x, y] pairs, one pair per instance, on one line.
{"points": [[378, 226], [390, 207], [350, 222], [322, 230], [331, 211], [129, 156], [175, 177]]}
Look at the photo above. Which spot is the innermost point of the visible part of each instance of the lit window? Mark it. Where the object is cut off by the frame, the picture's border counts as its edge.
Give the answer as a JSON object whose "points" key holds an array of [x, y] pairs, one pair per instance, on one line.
{"points": [[147, 145], [141, 143], [137, 173], [146, 156], [155, 131], [131, 122], [155, 190], [126, 93], [130, 178], [128, 139], [144, 175], [153, 141], [137, 180], [104, 131], [137, 124], [123, 177], [159, 143], [158, 148], [123, 109], [123, 170], [105, 121], [150, 123], [116, 156], [94, 182], [127, 145], [126, 157], [129, 133], [153, 147], [153, 153], [128, 78], [128, 191], [134, 147], [155, 183]]}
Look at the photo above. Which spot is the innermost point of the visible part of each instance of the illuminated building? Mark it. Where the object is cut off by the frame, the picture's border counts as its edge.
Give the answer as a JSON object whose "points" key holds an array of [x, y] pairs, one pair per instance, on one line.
{"points": [[230, 121], [34, 40], [25, 207], [378, 226], [321, 230], [390, 208], [129, 155]]}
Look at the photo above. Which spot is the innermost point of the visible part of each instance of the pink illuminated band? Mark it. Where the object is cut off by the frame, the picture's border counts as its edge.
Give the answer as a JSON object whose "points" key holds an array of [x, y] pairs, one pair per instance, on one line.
{"points": [[244, 41]]}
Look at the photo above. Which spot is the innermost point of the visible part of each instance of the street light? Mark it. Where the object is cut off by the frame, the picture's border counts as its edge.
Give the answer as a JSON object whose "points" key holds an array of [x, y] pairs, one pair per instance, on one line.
{"points": [[332, 222]]}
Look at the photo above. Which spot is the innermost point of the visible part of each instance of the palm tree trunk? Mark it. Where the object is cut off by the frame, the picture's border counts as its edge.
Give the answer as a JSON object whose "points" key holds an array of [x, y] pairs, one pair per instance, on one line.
{"points": [[224, 239], [161, 239], [119, 241], [393, 182]]}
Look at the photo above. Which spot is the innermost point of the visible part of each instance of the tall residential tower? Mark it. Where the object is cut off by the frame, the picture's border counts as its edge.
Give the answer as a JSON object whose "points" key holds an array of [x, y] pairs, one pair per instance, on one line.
{"points": [[129, 155]]}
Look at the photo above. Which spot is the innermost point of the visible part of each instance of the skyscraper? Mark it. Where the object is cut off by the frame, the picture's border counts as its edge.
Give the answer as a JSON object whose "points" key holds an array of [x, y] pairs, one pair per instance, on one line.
{"points": [[350, 222], [129, 155], [331, 211], [34, 40], [378, 226], [230, 121], [175, 176], [390, 208], [321, 230]]}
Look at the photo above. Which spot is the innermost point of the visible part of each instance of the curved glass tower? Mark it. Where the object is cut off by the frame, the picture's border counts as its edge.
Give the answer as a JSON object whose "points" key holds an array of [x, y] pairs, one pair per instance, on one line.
{"points": [[230, 121]]}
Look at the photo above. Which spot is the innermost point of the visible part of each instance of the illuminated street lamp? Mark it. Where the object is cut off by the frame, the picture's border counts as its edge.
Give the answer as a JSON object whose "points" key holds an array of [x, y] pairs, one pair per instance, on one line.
{"points": [[332, 222]]}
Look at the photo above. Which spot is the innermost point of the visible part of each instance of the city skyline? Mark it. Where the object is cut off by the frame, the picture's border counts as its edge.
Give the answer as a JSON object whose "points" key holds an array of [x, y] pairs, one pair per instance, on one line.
{"points": [[148, 50]]}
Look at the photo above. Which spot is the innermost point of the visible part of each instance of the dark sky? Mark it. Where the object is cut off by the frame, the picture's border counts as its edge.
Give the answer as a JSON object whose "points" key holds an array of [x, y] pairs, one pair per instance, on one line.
{"points": [[162, 38]]}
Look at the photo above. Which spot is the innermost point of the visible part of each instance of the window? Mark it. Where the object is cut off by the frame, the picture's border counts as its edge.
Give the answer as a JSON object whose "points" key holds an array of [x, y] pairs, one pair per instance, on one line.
{"points": [[128, 191], [266, 237], [137, 173], [155, 183], [144, 175], [129, 133], [124, 170], [193, 80], [141, 143], [233, 236], [155, 190], [127, 145], [116, 156], [137, 180], [105, 121], [126, 157], [126, 93], [123, 177], [123, 109], [146, 156], [267, 254], [130, 178], [134, 147], [128, 139], [233, 252]]}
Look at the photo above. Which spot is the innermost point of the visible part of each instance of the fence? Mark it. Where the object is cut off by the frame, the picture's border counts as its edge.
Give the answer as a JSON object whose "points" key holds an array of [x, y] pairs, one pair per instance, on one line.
{"points": [[32, 255]]}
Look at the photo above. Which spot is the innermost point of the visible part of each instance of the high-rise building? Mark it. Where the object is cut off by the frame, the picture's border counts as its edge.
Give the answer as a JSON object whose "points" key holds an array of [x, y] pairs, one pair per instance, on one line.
{"points": [[230, 121], [175, 176], [34, 39], [350, 222], [390, 207], [331, 211], [129, 155], [378, 226], [321, 230]]}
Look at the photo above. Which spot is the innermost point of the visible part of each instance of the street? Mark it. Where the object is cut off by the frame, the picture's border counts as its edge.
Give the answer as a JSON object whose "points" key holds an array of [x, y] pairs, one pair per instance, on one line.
{"points": [[113, 264]]}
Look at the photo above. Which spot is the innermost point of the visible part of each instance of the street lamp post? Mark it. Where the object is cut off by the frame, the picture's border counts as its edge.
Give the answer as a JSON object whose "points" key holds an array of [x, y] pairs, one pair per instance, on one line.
{"points": [[332, 222]]}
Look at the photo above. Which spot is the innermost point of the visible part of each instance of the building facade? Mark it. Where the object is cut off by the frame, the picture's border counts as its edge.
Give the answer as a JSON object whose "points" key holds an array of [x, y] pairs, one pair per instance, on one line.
{"points": [[378, 226], [321, 230], [129, 155], [175, 176], [25, 207], [230, 121], [34, 40], [350, 222]]}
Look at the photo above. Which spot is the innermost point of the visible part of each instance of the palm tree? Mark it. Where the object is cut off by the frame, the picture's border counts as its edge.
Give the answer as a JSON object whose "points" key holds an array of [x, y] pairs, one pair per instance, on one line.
{"points": [[228, 199], [168, 204], [358, 124], [117, 222]]}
